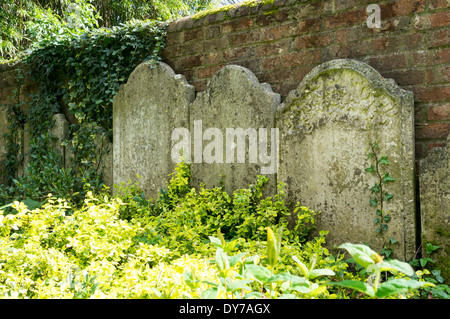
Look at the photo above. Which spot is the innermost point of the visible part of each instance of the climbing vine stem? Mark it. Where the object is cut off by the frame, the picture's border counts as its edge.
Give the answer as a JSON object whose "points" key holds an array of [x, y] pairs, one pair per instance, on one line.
{"points": [[380, 196]]}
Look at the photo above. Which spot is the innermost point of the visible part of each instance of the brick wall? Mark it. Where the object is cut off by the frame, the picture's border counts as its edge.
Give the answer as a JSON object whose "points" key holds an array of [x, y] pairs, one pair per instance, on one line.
{"points": [[283, 41]]}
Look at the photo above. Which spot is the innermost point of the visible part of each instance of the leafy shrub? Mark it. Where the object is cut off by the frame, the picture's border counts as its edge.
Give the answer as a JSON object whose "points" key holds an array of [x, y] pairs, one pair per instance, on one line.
{"points": [[130, 247]]}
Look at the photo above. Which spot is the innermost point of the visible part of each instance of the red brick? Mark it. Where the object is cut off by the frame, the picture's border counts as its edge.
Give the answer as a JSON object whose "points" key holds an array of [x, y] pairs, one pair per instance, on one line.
{"points": [[431, 57], [200, 85], [237, 53], [437, 4], [212, 32], [244, 38], [433, 131], [267, 19], [443, 56], [440, 19], [287, 87], [439, 112], [273, 48], [193, 35], [215, 44], [192, 48], [408, 77], [301, 72], [431, 94], [439, 38], [438, 74], [311, 10], [401, 8], [406, 7], [334, 51], [271, 63], [347, 35], [301, 58], [276, 76], [272, 33], [304, 26], [344, 4], [236, 25], [249, 63], [312, 41], [191, 61], [213, 58], [388, 62], [346, 19], [207, 72], [360, 48], [173, 38], [389, 44], [171, 53]]}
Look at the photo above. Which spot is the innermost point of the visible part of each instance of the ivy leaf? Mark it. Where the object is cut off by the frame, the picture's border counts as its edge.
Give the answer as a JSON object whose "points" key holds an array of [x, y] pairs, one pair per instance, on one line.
{"points": [[384, 160], [376, 220], [388, 196], [373, 202], [392, 240], [370, 169], [388, 178], [387, 218], [375, 188], [430, 248]]}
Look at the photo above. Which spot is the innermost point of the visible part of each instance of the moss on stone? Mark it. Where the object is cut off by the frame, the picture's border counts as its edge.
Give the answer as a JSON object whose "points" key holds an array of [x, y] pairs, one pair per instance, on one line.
{"points": [[248, 3], [443, 232], [271, 12]]}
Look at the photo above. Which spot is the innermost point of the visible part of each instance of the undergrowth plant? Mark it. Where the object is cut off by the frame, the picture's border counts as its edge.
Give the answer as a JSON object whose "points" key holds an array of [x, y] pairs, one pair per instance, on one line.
{"points": [[101, 249], [375, 265]]}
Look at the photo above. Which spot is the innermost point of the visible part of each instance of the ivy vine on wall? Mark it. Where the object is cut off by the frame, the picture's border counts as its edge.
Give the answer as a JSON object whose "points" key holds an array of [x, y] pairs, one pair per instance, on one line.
{"points": [[78, 75]]}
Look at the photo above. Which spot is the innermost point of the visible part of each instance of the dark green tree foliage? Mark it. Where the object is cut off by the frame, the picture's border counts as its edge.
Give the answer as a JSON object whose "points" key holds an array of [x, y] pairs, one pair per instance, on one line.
{"points": [[23, 22]]}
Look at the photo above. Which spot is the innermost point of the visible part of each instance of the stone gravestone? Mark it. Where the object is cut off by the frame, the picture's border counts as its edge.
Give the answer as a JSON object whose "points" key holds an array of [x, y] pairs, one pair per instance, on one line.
{"points": [[327, 126], [3, 143], [59, 132], [233, 133], [435, 205], [146, 110]]}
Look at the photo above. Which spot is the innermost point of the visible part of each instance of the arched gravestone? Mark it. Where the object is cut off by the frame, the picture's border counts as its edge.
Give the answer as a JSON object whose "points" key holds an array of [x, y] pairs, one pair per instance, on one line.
{"points": [[326, 128], [232, 126], [146, 110], [435, 206]]}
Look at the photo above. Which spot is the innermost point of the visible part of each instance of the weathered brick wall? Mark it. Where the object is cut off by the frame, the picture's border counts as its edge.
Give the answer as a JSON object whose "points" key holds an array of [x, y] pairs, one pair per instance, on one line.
{"points": [[283, 41], [13, 89]]}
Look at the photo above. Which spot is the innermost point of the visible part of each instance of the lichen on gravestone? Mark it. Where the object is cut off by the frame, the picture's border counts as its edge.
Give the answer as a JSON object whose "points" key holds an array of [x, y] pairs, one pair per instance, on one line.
{"points": [[326, 126], [146, 110]]}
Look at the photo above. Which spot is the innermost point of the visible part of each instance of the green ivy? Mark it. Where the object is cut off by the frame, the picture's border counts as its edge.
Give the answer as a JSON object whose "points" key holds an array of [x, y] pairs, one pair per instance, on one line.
{"points": [[78, 75]]}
